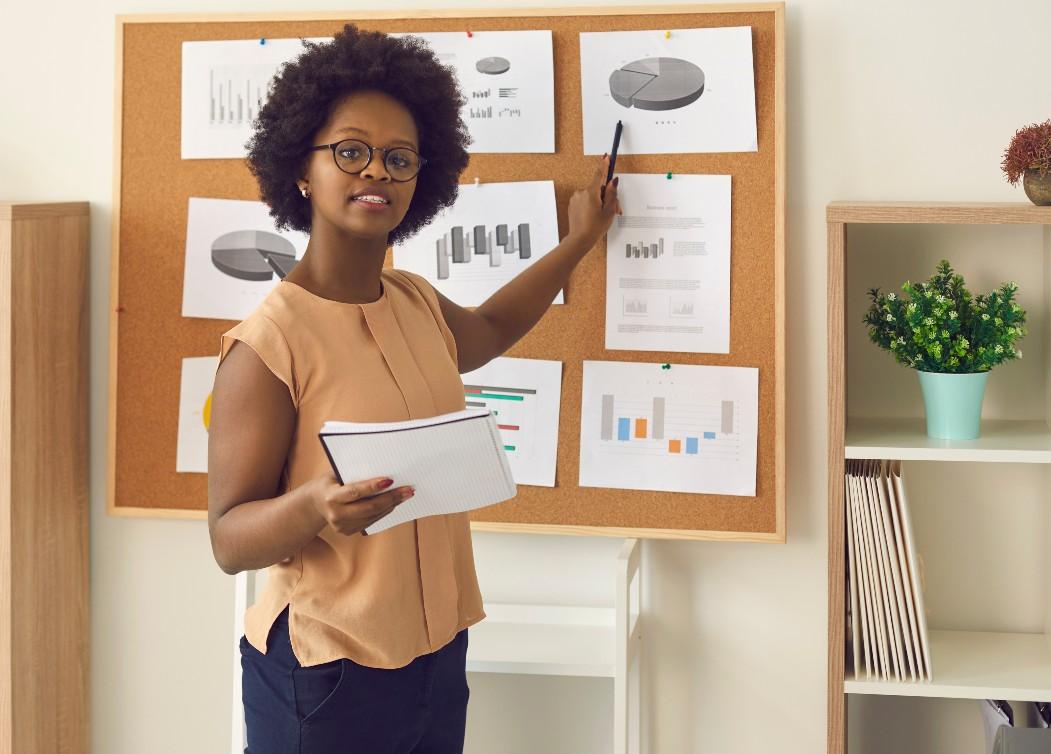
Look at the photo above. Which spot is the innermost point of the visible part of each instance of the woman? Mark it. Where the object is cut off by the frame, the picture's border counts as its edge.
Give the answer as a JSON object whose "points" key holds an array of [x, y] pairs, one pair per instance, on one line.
{"points": [[358, 642]]}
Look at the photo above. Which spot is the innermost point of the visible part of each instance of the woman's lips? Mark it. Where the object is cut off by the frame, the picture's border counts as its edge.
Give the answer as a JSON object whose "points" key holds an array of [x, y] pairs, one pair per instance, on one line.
{"points": [[371, 206]]}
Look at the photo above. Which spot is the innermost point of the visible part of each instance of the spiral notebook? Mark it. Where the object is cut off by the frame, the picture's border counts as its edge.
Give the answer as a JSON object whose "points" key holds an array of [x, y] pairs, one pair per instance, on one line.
{"points": [[456, 462]]}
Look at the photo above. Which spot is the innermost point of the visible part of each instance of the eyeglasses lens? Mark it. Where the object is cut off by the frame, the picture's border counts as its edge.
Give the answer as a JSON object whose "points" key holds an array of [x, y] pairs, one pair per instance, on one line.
{"points": [[353, 156]]}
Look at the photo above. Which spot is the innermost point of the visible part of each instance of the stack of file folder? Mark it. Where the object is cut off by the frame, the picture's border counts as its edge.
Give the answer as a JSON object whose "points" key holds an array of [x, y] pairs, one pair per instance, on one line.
{"points": [[887, 626]]}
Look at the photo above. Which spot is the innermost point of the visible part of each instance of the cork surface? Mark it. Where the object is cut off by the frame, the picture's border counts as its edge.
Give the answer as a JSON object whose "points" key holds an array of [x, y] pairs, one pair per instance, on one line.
{"points": [[153, 337]]}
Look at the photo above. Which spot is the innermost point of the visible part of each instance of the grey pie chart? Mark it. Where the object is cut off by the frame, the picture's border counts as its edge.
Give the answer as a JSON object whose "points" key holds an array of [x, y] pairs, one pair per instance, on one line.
{"points": [[493, 66], [657, 84], [253, 255]]}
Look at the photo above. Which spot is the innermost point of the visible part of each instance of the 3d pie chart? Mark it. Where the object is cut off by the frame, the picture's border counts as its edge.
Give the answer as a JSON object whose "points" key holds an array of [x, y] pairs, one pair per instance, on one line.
{"points": [[253, 255], [493, 66], [657, 84]]}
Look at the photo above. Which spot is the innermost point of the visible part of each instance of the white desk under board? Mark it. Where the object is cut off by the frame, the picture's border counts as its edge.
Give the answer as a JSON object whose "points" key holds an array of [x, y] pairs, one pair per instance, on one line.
{"points": [[599, 642]]}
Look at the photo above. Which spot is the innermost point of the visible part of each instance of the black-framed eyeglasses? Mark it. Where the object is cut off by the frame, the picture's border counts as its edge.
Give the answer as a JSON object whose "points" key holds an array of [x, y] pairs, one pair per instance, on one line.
{"points": [[353, 156]]}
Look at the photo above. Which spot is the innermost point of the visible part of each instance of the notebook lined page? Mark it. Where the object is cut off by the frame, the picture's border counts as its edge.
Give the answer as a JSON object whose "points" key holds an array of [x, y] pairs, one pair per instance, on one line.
{"points": [[455, 466]]}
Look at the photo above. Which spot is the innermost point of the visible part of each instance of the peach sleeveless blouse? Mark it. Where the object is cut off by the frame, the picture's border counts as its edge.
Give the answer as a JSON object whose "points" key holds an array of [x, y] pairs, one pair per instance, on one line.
{"points": [[385, 599]]}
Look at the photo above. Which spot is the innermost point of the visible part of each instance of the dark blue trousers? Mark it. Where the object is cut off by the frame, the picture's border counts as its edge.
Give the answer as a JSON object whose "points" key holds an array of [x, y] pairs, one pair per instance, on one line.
{"points": [[341, 707]]}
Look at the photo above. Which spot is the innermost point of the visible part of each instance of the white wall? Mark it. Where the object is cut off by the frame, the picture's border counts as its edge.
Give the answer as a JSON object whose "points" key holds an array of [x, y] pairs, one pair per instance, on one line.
{"points": [[896, 99]]}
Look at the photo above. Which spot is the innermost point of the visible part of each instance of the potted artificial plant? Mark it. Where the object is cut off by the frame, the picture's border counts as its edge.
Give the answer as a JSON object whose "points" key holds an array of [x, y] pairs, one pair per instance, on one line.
{"points": [[952, 340], [1028, 158]]}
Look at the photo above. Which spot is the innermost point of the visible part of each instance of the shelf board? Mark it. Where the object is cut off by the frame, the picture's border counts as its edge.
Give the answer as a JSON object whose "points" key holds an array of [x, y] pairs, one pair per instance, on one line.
{"points": [[1002, 441], [950, 213], [975, 665], [544, 640]]}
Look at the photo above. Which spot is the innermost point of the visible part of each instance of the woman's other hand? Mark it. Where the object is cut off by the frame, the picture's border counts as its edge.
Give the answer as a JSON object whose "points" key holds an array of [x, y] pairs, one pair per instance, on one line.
{"points": [[589, 215], [353, 507]]}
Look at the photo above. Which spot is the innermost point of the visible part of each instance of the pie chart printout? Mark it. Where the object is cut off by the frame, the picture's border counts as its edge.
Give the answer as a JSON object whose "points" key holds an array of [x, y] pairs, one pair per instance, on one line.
{"points": [[657, 84], [253, 255], [493, 66]]}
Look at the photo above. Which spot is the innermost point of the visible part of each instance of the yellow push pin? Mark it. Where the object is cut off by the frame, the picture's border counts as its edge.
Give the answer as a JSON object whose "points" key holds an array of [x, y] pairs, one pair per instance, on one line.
{"points": [[667, 35]]}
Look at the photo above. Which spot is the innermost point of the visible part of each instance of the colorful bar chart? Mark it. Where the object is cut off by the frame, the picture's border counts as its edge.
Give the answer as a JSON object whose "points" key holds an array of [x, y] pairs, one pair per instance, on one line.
{"points": [[678, 427], [651, 427], [524, 396], [489, 396]]}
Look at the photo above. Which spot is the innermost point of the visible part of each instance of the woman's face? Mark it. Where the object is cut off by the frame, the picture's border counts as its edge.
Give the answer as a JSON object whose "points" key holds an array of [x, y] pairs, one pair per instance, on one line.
{"points": [[370, 204]]}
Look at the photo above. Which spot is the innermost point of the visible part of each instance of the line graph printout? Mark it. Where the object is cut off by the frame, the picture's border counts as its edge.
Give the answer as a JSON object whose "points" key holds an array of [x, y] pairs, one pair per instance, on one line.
{"points": [[507, 78], [668, 265], [492, 233], [524, 395], [671, 428], [224, 83]]}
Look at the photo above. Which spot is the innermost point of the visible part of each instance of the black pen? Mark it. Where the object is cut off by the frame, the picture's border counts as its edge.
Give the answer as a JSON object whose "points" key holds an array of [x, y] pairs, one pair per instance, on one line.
{"points": [[612, 157]]}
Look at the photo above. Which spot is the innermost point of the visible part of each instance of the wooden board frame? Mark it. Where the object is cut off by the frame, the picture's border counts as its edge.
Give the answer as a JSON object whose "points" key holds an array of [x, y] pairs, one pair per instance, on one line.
{"points": [[773, 529]]}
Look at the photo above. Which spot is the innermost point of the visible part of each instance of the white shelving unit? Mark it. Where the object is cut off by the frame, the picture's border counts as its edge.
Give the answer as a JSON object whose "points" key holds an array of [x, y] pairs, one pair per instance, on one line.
{"points": [[967, 664], [545, 640], [1002, 441], [549, 640], [976, 665]]}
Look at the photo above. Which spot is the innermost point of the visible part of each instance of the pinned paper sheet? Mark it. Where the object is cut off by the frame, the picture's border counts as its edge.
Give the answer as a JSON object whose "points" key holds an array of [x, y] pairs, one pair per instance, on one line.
{"points": [[234, 257], [524, 395], [691, 91], [687, 428], [195, 413], [507, 78], [668, 265], [492, 233], [224, 84]]}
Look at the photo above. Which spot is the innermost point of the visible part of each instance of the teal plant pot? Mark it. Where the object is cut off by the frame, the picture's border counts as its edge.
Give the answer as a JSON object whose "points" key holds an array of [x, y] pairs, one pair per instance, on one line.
{"points": [[954, 404]]}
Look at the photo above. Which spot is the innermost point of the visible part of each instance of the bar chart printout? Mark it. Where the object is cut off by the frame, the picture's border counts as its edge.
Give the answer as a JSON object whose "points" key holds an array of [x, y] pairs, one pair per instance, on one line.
{"points": [[668, 266], [524, 395], [493, 232], [686, 428], [493, 67], [224, 83]]}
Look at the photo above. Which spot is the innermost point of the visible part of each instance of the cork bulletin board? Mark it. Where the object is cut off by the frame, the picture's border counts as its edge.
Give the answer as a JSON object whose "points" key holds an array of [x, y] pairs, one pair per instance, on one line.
{"points": [[152, 185]]}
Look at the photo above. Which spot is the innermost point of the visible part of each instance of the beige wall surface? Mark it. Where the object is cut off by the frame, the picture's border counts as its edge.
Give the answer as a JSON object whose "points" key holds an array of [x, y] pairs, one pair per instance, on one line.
{"points": [[899, 99]]}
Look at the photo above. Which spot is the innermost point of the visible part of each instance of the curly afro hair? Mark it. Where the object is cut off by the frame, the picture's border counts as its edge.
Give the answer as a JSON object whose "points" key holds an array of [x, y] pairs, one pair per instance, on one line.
{"points": [[305, 91]]}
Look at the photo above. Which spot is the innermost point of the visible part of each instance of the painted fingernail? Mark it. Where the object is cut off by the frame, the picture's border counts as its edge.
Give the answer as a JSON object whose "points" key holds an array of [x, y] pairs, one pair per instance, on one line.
{"points": [[616, 181], [408, 493], [385, 483]]}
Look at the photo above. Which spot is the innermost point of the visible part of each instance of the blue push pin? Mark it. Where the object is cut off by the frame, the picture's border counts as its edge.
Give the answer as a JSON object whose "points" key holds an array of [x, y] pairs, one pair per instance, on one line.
{"points": [[262, 40], [665, 366]]}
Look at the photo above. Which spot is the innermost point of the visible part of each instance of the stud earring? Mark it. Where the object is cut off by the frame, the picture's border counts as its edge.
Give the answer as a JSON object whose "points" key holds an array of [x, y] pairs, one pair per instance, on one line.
{"points": [[306, 192]]}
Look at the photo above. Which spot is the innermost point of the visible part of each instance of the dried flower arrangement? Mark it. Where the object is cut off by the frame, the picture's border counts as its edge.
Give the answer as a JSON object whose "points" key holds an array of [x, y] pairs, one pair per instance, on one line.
{"points": [[1030, 149]]}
